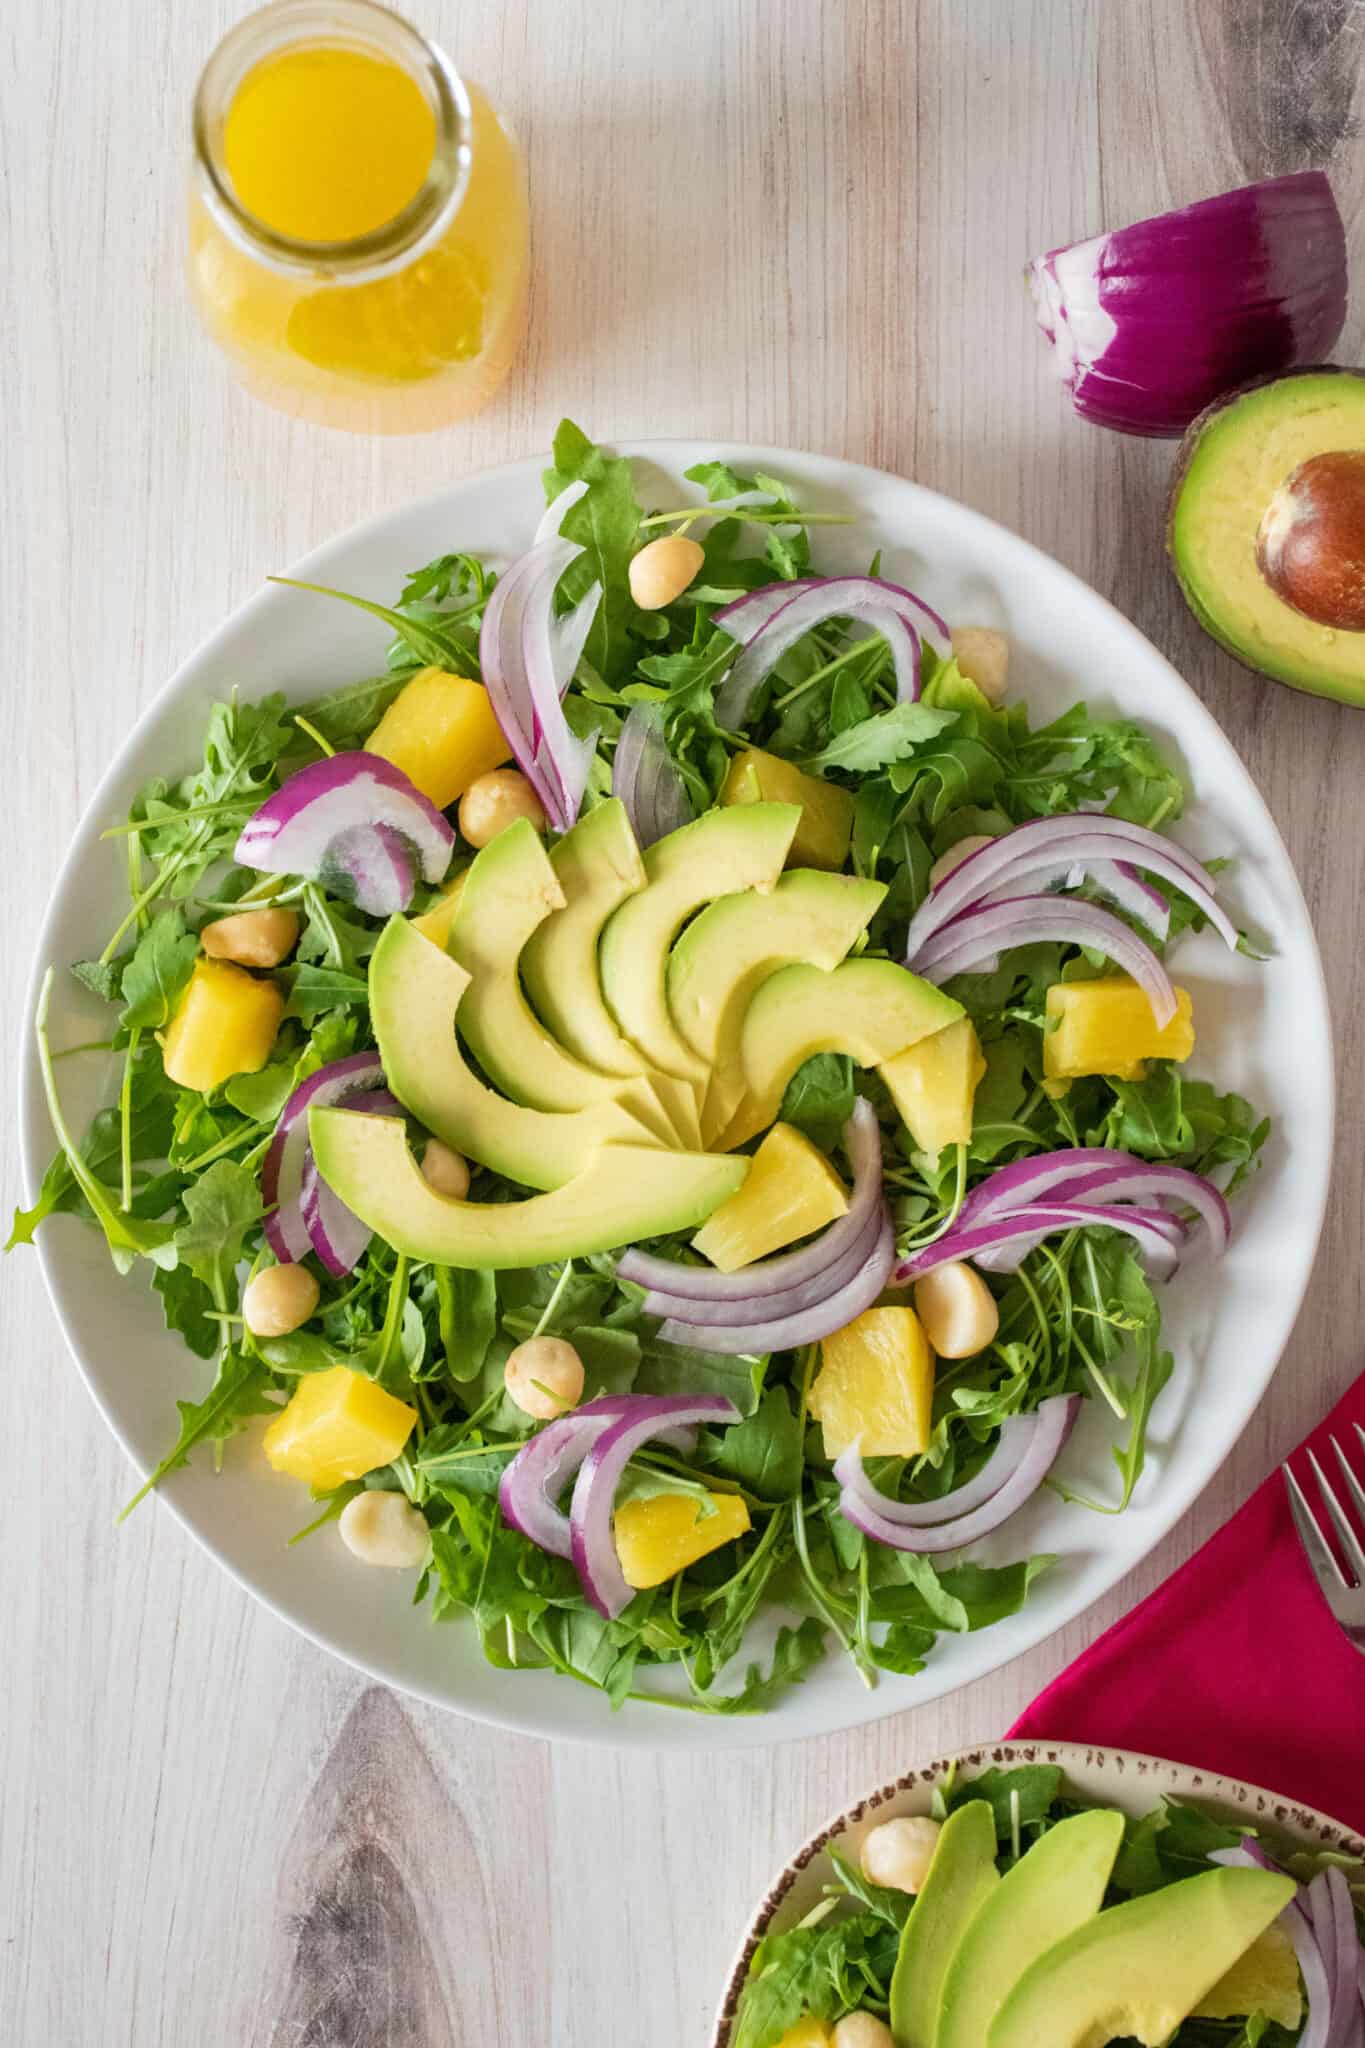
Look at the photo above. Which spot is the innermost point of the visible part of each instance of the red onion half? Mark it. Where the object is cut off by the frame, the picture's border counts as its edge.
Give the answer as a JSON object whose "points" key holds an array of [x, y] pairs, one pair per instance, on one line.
{"points": [[599, 1475], [336, 1233], [769, 622], [1151, 323], [1086, 1171], [974, 941], [794, 1298], [1001, 1244], [528, 654], [530, 1487], [360, 818], [1063, 850], [647, 778], [884, 1519], [289, 1155]]}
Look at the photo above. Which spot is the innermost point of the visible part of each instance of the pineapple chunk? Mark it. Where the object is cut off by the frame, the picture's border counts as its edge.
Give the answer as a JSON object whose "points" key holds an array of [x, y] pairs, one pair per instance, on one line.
{"points": [[826, 827], [933, 1085], [876, 1385], [1265, 1979], [336, 1426], [659, 1537], [435, 924], [807, 2033], [440, 730], [790, 1190], [224, 1024], [1107, 1027]]}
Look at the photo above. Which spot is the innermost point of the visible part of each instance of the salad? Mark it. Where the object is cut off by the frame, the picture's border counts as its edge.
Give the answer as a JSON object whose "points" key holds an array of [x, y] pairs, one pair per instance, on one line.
{"points": [[667, 1098], [1017, 1915]]}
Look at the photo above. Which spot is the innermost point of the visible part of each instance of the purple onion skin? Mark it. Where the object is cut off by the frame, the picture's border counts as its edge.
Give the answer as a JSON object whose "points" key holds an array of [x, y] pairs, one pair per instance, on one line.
{"points": [[1244, 285]]}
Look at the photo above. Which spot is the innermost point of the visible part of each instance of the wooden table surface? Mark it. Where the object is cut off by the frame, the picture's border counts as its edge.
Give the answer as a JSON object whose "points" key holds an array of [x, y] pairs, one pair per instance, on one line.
{"points": [[801, 224]]}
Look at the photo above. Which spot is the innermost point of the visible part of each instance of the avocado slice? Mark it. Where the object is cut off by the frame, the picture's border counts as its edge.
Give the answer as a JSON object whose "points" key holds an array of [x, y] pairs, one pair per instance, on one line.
{"points": [[415, 992], [598, 865], [870, 1009], [718, 853], [1135, 1971], [624, 1192], [510, 890], [731, 948], [962, 1877], [1054, 1888], [1235, 491]]}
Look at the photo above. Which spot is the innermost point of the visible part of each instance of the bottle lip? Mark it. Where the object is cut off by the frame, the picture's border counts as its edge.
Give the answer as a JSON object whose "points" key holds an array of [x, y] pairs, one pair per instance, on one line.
{"points": [[285, 24]]}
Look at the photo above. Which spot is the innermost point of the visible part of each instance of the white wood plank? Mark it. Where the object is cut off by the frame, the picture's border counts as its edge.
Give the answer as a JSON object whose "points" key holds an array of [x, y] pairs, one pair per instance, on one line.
{"points": [[805, 225]]}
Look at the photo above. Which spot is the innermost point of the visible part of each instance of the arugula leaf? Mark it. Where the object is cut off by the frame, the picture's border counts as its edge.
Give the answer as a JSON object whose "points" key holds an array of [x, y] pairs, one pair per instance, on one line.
{"points": [[468, 1314], [605, 523], [764, 1452], [432, 646], [235, 1396], [347, 717], [314, 990], [819, 1097], [1035, 1787], [719, 480], [162, 963], [150, 1127], [678, 1369], [185, 1303], [102, 977], [878, 741], [221, 1206], [262, 1095]]}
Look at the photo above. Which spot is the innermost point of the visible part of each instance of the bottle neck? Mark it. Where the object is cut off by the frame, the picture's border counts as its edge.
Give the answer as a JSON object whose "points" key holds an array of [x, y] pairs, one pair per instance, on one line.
{"points": [[360, 25]]}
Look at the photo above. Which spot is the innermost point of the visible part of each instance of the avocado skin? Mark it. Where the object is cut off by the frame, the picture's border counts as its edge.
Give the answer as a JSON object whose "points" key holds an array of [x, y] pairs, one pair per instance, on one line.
{"points": [[1219, 630]]}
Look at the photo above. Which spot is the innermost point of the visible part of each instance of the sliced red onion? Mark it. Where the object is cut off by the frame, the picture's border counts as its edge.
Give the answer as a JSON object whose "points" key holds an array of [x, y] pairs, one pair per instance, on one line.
{"points": [[1016, 1434], [647, 779], [787, 1300], [888, 607], [599, 1475], [1321, 1923], [1047, 849], [335, 1232], [875, 1513], [793, 1327], [288, 1154], [1001, 1244], [1086, 1171], [788, 1274], [974, 942], [527, 655], [552, 518], [529, 1490], [296, 829], [1120, 881], [745, 616], [371, 867], [1152, 322]]}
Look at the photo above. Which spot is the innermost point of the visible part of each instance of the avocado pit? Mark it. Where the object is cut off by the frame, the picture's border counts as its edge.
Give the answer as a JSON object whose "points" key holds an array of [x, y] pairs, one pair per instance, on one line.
{"points": [[1310, 546]]}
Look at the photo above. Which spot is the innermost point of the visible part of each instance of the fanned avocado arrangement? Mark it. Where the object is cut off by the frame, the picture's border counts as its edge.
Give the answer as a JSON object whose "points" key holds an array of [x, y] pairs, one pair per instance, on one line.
{"points": [[667, 1099], [1017, 1915]]}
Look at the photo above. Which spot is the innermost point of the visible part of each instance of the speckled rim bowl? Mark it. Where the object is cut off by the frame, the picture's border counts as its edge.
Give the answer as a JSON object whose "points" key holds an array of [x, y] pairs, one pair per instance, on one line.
{"points": [[1117, 1776]]}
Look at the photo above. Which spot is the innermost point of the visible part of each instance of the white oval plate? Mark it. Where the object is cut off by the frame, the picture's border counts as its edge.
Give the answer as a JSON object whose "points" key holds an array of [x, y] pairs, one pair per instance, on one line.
{"points": [[1226, 1324], [1110, 1777]]}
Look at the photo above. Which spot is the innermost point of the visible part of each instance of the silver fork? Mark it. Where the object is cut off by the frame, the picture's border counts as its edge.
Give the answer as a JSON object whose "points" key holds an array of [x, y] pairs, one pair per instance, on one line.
{"points": [[1345, 1596]]}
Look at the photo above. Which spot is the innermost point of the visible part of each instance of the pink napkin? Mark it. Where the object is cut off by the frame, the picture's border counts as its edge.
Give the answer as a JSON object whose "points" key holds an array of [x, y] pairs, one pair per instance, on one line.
{"points": [[1235, 1664]]}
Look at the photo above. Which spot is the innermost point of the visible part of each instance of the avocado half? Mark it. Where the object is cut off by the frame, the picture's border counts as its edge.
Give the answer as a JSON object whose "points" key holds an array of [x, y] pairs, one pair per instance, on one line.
{"points": [[1266, 530]]}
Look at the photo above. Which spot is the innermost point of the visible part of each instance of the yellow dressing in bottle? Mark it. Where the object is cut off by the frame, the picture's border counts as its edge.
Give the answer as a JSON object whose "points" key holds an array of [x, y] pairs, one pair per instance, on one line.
{"points": [[358, 220], [324, 143]]}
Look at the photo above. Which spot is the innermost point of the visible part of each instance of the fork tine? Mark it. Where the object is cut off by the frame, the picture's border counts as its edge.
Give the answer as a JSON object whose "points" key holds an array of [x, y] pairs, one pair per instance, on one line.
{"points": [[1353, 1484], [1321, 1555], [1350, 1542]]}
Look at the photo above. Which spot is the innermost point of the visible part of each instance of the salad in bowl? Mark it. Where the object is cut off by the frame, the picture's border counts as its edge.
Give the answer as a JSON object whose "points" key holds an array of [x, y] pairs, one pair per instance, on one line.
{"points": [[1038, 1896], [664, 1104]]}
